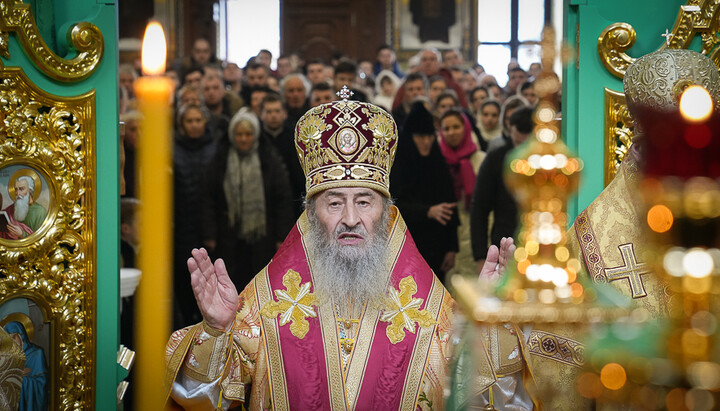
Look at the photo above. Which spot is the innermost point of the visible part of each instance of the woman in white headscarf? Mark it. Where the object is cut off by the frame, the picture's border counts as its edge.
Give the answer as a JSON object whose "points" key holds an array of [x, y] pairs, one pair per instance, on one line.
{"points": [[386, 85], [249, 209]]}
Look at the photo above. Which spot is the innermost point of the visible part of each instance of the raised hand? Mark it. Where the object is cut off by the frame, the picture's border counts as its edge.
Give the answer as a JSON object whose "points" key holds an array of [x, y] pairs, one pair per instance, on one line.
{"points": [[215, 293], [497, 259]]}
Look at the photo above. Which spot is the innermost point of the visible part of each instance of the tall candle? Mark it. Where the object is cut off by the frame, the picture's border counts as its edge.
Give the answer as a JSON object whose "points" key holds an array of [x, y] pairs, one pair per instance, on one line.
{"points": [[155, 187]]}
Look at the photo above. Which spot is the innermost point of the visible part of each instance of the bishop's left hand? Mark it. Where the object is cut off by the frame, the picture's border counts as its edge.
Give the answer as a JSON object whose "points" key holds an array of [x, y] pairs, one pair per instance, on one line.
{"points": [[497, 259]]}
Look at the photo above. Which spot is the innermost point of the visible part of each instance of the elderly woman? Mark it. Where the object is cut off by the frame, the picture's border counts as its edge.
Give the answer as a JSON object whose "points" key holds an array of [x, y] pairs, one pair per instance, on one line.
{"points": [[248, 208], [193, 149]]}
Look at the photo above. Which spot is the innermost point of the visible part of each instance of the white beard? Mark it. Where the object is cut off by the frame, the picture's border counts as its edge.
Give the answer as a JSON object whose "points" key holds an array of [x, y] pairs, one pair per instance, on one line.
{"points": [[22, 206], [349, 276]]}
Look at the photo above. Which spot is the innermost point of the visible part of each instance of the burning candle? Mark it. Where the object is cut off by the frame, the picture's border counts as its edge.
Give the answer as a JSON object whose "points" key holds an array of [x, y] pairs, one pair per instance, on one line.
{"points": [[155, 188]]}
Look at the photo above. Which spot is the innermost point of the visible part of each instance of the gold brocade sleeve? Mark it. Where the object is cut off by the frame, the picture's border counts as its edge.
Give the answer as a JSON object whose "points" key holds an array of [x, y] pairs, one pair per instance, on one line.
{"points": [[205, 354]]}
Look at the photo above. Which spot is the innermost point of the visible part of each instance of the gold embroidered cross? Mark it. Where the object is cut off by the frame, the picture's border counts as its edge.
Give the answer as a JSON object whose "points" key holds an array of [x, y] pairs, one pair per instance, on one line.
{"points": [[405, 312], [631, 269], [294, 303]]}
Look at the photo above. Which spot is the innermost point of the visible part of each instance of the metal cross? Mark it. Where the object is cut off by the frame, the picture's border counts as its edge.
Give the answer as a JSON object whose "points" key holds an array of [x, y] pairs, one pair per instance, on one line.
{"points": [[631, 269], [345, 93], [667, 36]]}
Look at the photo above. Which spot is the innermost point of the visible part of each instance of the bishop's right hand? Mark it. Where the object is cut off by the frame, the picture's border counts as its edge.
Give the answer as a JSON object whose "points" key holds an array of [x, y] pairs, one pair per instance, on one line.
{"points": [[215, 293]]}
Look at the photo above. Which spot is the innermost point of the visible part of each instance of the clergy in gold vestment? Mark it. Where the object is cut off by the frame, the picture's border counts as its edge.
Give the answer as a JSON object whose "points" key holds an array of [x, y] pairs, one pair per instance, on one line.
{"points": [[608, 236], [347, 315]]}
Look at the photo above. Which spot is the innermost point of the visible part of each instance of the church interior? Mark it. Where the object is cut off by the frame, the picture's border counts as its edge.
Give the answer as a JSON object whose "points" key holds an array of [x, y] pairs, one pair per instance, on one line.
{"points": [[547, 170]]}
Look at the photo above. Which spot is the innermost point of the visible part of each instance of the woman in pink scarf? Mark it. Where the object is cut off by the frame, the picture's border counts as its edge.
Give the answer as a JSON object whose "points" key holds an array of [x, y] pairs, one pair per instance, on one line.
{"points": [[460, 152]]}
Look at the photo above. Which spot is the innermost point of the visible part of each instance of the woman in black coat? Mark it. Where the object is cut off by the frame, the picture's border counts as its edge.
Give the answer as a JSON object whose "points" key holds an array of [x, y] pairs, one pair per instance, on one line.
{"points": [[193, 149], [423, 190], [248, 208]]}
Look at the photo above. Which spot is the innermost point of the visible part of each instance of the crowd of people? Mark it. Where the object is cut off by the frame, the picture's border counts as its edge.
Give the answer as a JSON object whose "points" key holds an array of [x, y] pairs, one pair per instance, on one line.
{"points": [[238, 184]]}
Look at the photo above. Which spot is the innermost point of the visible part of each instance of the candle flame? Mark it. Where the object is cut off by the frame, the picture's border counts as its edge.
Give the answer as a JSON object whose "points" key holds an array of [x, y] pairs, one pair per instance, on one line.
{"points": [[154, 50]]}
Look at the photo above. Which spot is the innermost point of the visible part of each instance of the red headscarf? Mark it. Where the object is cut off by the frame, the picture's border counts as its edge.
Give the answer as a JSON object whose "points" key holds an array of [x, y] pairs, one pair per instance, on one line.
{"points": [[458, 158]]}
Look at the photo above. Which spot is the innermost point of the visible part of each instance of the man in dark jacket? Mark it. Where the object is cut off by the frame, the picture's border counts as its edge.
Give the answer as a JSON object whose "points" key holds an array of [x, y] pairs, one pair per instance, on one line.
{"points": [[491, 193], [276, 130]]}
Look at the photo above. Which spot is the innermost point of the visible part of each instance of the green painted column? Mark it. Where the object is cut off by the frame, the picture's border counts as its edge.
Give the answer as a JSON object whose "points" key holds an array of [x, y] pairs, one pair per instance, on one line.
{"points": [[60, 14], [585, 78]]}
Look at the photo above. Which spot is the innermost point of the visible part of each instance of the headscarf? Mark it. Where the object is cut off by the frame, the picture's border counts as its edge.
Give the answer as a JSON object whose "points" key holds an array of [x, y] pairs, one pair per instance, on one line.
{"points": [[380, 99], [489, 134], [458, 158], [243, 184]]}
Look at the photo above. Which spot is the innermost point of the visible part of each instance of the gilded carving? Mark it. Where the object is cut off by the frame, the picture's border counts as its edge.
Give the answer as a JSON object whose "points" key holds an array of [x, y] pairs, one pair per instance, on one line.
{"points": [[697, 17], [619, 131], [50, 140], [84, 37], [612, 43]]}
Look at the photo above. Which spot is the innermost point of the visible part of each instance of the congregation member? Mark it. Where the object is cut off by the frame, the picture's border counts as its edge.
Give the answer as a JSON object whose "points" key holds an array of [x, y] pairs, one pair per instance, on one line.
{"points": [[508, 107], [232, 76], [321, 93], [126, 79], [423, 191], [220, 101], [489, 120], [201, 54], [247, 210], [477, 96], [452, 58], [448, 100], [461, 153], [315, 72], [131, 142], [436, 86], [415, 85], [192, 77], [194, 147], [386, 60], [344, 74], [284, 66], [279, 133], [295, 89], [386, 85], [430, 66], [256, 76], [516, 77], [527, 91], [493, 196], [257, 94], [468, 81]]}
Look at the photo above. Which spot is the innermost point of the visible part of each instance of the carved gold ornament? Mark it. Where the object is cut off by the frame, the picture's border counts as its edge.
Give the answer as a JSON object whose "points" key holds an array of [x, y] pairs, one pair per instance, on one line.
{"points": [[697, 17], [55, 265], [293, 304], [619, 132], [84, 37], [405, 311]]}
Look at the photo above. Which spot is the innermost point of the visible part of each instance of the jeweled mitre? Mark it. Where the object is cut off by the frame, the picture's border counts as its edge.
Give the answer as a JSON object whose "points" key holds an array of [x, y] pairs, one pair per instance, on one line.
{"points": [[346, 144]]}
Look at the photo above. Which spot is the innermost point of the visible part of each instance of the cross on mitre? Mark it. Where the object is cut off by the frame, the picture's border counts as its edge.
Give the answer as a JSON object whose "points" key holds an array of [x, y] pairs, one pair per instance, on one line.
{"points": [[667, 36], [345, 93]]}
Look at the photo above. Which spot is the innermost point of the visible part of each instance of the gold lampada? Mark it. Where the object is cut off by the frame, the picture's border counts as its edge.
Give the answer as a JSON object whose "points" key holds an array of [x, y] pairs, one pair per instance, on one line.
{"points": [[542, 287]]}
